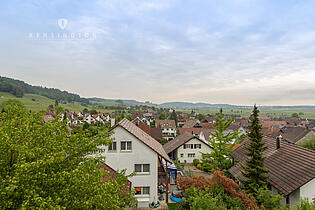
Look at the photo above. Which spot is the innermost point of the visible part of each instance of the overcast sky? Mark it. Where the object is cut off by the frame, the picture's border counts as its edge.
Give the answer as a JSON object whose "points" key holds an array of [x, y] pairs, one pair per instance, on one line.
{"points": [[237, 51]]}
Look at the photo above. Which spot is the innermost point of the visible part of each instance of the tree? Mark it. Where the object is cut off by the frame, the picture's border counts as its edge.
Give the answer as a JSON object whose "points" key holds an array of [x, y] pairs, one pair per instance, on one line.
{"points": [[93, 111], [308, 143], [222, 143], [42, 166], [217, 192], [85, 110], [174, 117], [11, 102], [295, 114], [56, 102], [162, 116], [254, 171]]}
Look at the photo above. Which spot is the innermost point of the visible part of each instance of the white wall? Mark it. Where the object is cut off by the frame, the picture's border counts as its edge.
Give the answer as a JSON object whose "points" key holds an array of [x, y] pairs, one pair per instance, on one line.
{"points": [[308, 190], [140, 154], [204, 148]]}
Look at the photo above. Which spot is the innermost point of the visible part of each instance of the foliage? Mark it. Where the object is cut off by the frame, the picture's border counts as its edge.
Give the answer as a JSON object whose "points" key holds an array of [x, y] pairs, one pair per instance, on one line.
{"points": [[174, 117], [295, 114], [196, 162], [254, 170], [6, 103], [269, 200], [222, 143], [18, 88], [178, 164], [162, 116], [219, 191], [308, 143], [163, 141], [305, 205], [42, 166], [93, 111]]}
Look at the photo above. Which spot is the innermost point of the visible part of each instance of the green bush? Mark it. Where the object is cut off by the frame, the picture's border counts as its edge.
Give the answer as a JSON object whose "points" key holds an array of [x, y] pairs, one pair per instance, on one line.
{"points": [[215, 198], [269, 200], [196, 162]]}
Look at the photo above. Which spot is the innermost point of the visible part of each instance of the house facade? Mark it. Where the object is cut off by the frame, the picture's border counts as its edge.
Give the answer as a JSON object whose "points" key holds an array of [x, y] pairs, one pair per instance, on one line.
{"points": [[186, 147], [168, 128], [136, 151]]}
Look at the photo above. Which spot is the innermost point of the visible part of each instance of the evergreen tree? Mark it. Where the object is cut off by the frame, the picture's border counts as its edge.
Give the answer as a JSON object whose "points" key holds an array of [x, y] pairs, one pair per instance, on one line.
{"points": [[254, 171], [222, 143], [174, 117]]}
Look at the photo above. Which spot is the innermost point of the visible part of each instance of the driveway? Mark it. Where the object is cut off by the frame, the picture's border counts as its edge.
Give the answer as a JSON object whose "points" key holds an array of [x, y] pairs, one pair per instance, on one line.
{"points": [[194, 171]]}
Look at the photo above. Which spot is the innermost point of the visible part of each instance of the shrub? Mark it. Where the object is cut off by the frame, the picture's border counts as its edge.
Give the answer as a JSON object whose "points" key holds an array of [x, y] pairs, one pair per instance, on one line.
{"points": [[269, 200], [233, 194], [196, 162]]}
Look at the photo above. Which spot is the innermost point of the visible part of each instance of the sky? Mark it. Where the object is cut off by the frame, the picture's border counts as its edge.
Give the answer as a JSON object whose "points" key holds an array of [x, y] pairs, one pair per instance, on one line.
{"points": [[214, 51]]}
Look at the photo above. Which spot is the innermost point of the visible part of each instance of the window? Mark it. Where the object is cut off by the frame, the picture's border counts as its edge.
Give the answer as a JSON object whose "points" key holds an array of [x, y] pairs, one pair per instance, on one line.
{"points": [[113, 146], [142, 168], [188, 146], [142, 190], [181, 155], [197, 146], [191, 154], [125, 145]]}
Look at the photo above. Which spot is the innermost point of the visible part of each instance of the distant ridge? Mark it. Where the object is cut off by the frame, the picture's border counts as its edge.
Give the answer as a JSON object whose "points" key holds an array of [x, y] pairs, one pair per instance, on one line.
{"points": [[18, 88]]}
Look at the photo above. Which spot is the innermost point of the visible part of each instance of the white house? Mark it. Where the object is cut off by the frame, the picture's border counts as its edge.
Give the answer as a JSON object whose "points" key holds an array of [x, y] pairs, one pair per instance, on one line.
{"points": [[134, 150], [89, 119], [168, 128], [186, 147], [292, 169]]}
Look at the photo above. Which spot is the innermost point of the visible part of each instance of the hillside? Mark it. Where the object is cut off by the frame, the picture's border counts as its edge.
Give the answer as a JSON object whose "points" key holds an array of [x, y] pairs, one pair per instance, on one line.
{"points": [[18, 88]]}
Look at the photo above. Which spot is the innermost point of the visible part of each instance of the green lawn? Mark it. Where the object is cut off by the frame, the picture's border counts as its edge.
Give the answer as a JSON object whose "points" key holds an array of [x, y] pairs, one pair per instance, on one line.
{"points": [[36, 103]]}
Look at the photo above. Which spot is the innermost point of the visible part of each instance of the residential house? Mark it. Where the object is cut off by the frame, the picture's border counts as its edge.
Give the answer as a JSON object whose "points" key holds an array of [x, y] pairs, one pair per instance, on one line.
{"points": [[192, 123], [292, 171], [186, 147], [168, 128], [136, 151], [295, 135]]}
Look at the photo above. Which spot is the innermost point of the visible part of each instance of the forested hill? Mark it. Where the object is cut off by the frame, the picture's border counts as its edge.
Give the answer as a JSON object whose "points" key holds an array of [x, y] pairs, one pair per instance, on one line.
{"points": [[18, 88]]}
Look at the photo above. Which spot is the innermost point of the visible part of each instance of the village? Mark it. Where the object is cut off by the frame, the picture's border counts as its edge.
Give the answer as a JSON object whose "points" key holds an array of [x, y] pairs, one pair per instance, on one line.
{"points": [[160, 151]]}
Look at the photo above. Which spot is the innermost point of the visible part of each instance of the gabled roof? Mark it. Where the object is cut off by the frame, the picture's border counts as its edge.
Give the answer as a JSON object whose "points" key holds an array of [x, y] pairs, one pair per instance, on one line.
{"points": [[143, 137], [290, 166], [191, 124], [165, 124], [179, 141], [294, 134]]}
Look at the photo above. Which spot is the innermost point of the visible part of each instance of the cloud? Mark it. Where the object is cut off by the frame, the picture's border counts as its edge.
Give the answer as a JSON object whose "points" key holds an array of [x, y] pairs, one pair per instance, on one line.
{"points": [[238, 52]]}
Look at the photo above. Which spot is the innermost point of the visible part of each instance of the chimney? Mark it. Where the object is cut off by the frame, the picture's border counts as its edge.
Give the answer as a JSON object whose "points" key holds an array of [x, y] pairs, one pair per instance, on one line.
{"points": [[112, 122], [278, 142]]}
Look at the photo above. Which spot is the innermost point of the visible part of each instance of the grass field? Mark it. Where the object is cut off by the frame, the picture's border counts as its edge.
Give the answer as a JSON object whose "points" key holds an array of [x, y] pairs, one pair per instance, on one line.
{"points": [[307, 113], [36, 103]]}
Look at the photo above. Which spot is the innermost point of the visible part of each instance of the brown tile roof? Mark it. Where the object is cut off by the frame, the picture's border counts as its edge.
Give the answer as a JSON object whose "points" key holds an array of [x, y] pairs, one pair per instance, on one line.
{"points": [[191, 123], [165, 124], [156, 133], [143, 136], [273, 123], [178, 141], [290, 166], [294, 134]]}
